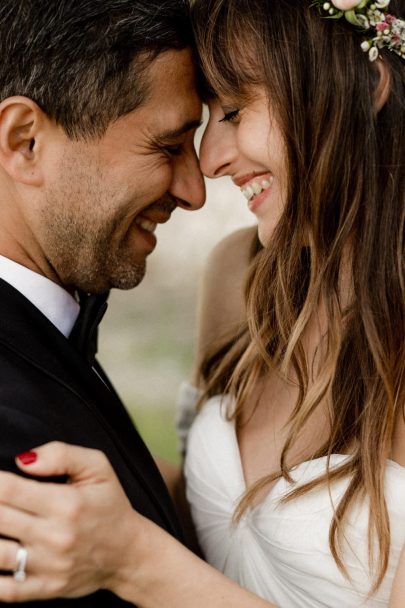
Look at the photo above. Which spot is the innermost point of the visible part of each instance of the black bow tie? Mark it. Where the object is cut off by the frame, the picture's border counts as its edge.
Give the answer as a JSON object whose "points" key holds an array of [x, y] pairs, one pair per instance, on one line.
{"points": [[85, 331]]}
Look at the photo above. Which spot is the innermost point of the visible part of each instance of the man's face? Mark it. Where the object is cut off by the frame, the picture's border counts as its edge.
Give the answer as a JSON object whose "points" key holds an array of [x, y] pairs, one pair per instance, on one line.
{"points": [[103, 199]]}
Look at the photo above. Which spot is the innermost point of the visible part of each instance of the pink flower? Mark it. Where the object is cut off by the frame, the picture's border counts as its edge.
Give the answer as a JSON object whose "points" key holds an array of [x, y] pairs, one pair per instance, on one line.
{"points": [[346, 5], [380, 27]]}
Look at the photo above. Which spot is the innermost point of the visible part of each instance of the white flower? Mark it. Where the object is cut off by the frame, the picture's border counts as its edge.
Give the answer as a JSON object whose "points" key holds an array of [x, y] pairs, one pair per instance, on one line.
{"points": [[346, 5], [363, 22]]}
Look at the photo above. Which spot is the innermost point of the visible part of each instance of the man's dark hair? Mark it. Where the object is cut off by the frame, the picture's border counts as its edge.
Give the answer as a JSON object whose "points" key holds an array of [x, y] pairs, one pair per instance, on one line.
{"points": [[83, 61]]}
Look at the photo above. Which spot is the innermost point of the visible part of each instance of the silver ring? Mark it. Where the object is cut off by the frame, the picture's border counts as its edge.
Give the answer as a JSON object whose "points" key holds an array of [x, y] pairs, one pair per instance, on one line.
{"points": [[21, 562]]}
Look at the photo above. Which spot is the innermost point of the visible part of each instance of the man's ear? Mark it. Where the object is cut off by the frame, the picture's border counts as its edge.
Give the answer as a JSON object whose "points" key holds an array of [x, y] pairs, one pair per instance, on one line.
{"points": [[21, 120], [382, 91]]}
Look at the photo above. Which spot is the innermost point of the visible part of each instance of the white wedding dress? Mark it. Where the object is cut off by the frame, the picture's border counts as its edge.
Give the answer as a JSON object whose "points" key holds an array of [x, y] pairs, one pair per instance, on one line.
{"points": [[281, 551]]}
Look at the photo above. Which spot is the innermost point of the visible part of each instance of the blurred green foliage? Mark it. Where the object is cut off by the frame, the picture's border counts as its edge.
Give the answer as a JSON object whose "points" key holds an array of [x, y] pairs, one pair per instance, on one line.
{"points": [[146, 347], [156, 426]]}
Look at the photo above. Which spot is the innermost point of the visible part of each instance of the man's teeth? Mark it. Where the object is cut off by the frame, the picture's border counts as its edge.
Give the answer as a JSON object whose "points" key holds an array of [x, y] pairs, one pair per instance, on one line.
{"points": [[146, 225], [256, 188]]}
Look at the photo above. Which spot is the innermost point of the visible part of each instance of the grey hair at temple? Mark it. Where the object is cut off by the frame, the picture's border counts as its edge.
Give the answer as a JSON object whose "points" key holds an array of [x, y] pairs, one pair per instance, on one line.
{"points": [[84, 62]]}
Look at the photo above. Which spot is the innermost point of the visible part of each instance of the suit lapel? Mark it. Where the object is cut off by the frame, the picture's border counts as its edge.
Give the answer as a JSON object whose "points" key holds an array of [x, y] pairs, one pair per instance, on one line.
{"points": [[26, 331]]}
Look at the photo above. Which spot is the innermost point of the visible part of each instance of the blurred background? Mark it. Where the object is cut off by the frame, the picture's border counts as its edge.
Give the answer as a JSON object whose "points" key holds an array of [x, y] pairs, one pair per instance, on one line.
{"points": [[147, 337]]}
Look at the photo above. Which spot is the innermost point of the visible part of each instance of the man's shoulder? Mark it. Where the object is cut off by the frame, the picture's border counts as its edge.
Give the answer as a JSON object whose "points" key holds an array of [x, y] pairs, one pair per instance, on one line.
{"points": [[27, 337]]}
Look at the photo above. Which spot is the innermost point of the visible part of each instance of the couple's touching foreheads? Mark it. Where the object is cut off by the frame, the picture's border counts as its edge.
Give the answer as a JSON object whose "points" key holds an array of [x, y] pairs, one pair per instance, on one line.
{"points": [[291, 492]]}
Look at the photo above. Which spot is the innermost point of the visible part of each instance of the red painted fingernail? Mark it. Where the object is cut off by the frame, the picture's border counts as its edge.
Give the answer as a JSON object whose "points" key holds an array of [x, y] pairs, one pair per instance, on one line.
{"points": [[27, 457]]}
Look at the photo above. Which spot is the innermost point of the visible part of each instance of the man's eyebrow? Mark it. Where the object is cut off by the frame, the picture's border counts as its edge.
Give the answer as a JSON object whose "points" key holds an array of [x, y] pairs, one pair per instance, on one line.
{"points": [[175, 133]]}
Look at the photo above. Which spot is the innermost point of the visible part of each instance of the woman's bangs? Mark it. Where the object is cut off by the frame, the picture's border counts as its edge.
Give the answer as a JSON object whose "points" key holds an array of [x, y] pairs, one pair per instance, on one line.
{"points": [[226, 55]]}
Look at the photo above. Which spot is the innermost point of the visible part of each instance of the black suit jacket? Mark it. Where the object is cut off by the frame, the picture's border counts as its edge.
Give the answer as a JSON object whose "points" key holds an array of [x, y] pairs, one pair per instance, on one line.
{"points": [[49, 392]]}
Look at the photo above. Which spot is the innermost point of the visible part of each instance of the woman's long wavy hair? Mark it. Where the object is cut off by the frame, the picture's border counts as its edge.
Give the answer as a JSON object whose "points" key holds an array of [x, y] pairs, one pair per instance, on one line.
{"points": [[344, 215]]}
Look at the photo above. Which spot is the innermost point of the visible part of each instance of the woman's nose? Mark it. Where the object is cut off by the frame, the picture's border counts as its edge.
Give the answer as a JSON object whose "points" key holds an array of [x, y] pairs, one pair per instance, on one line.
{"points": [[217, 151]]}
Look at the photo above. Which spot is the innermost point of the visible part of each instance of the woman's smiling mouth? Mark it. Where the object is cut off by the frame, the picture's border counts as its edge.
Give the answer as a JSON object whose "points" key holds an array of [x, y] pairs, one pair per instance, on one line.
{"points": [[255, 188]]}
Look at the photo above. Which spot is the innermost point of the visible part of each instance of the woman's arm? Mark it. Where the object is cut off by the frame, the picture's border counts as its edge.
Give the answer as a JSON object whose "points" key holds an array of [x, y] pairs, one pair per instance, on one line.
{"points": [[84, 536], [182, 580]]}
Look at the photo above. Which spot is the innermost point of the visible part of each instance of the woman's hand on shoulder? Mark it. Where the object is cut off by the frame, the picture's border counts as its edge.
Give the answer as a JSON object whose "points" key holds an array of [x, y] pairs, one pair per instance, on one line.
{"points": [[85, 536], [77, 534]]}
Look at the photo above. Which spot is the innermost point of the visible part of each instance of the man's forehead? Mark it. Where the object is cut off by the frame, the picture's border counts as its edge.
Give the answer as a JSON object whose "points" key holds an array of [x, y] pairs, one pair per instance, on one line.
{"points": [[172, 63], [174, 101], [172, 73]]}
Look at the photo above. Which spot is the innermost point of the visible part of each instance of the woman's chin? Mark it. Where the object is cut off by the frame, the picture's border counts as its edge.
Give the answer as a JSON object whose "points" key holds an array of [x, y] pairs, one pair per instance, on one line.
{"points": [[265, 232]]}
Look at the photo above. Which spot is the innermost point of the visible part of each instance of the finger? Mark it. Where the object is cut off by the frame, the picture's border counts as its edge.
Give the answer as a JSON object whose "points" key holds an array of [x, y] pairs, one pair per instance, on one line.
{"points": [[31, 496], [57, 458], [45, 579], [12, 591], [8, 554], [19, 524]]}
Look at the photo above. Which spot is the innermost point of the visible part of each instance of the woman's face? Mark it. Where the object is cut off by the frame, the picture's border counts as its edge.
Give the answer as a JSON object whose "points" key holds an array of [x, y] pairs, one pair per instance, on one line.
{"points": [[246, 144]]}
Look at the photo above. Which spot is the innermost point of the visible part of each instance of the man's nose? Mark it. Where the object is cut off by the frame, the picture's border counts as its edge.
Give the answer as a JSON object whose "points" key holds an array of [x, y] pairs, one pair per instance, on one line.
{"points": [[188, 185]]}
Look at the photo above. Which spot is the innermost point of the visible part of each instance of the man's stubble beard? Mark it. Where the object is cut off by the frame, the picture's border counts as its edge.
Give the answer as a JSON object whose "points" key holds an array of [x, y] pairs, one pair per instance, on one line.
{"points": [[85, 255]]}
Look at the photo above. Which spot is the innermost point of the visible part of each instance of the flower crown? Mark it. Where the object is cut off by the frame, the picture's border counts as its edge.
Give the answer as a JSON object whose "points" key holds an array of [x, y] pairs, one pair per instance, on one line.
{"points": [[387, 30]]}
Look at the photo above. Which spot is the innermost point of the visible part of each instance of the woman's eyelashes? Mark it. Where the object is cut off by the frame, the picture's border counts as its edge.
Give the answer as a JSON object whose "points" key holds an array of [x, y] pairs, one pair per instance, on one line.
{"points": [[230, 116]]}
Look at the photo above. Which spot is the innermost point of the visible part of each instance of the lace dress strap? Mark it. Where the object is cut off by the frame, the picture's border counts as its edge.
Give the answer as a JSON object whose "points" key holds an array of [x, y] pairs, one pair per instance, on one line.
{"points": [[185, 406]]}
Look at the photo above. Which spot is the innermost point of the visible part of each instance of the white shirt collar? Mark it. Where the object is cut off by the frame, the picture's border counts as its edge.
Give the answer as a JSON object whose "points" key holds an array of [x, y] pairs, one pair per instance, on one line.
{"points": [[51, 299]]}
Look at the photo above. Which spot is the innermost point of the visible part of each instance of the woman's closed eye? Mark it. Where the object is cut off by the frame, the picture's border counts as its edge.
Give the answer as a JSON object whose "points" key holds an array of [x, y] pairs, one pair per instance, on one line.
{"points": [[230, 116]]}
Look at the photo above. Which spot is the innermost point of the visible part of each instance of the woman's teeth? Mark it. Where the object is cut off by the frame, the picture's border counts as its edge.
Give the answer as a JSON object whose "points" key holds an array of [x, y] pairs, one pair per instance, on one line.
{"points": [[146, 225], [256, 188]]}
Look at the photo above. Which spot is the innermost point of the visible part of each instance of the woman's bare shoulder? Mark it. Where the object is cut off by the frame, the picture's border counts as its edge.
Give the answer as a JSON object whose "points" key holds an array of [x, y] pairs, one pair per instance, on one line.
{"points": [[230, 257], [221, 307]]}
